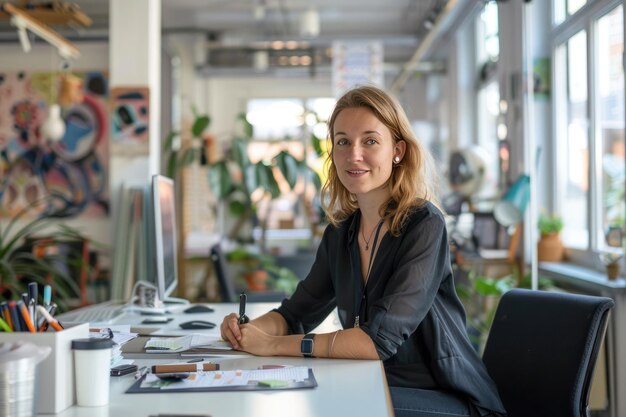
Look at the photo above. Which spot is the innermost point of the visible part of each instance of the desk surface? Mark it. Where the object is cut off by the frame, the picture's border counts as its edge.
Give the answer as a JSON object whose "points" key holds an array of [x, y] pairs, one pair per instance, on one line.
{"points": [[345, 387]]}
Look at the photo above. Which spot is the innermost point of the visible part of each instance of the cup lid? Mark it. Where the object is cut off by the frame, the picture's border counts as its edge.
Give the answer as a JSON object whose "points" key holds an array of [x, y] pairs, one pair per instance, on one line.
{"points": [[92, 344]]}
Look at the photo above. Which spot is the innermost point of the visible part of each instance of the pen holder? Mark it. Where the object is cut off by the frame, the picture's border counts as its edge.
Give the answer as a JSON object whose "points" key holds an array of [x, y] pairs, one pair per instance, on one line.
{"points": [[56, 372], [18, 375]]}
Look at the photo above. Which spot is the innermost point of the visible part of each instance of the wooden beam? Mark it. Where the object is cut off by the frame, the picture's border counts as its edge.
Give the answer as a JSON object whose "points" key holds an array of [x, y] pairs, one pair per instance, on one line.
{"points": [[56, 13], [23, 19]]}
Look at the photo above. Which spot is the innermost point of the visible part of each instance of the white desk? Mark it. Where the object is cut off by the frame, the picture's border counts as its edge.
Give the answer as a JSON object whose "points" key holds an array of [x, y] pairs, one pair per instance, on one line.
{"points": [[345, 387]]}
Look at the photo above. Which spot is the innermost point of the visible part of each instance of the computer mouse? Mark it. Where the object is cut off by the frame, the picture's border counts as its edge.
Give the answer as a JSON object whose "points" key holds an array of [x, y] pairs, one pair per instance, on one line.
{"points": [[197, 324], [198, 308]]}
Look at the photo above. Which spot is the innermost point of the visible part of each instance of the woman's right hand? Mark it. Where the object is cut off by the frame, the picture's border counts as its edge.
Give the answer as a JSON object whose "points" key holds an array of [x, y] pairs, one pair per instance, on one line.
{"points": [[229, 330]]}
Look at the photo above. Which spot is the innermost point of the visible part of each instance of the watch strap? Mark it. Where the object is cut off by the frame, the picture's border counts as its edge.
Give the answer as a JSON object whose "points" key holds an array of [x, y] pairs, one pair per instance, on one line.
{"points": [[307, 344]]}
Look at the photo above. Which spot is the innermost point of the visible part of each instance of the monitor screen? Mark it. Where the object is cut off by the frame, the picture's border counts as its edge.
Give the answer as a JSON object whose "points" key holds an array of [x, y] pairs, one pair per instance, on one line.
{"points": [[163, 198]]}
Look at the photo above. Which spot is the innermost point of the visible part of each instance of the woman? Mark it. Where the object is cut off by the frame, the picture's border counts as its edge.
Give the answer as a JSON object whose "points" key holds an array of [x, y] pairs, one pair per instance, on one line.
{"points": [[384, 263]]}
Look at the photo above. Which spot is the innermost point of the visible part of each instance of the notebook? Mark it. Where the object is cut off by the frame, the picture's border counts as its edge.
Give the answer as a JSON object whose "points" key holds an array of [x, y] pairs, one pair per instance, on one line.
{"points": [[184, 343]]}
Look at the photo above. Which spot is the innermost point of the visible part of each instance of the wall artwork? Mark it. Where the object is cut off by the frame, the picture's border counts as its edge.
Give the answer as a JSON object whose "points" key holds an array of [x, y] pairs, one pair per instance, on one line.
{"points": [[74, 170], [541, 78], [130, 120]]}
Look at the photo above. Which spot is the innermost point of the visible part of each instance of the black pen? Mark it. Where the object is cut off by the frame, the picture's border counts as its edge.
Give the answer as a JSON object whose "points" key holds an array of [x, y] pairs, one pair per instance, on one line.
{"points": [[242, 309], [33, 295]]}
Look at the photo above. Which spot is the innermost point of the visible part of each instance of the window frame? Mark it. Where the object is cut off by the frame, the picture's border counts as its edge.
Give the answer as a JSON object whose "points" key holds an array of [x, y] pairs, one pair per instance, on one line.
{"points": [[586, 18]]}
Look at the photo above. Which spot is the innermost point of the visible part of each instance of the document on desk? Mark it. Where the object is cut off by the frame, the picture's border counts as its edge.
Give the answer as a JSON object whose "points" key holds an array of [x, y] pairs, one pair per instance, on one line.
{"points": [[196, 341], [237, 380]]}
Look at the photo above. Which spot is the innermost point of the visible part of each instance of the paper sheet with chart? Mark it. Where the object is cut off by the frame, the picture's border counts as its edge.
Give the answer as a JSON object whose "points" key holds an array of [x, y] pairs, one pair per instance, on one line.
{"points": [[237, 378]]}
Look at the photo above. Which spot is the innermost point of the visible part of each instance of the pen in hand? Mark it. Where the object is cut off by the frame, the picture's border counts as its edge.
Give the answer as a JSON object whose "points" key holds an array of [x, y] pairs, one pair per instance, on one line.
{"points": [[242, 309]]}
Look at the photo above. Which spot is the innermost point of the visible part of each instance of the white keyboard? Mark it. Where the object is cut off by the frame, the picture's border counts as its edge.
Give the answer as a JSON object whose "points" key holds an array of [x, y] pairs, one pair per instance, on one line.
{"points": [[105, 313]]}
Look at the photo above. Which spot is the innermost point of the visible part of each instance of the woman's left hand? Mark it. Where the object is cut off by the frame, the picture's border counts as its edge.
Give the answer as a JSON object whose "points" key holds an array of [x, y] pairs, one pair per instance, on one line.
{"points": [[256, 341]]}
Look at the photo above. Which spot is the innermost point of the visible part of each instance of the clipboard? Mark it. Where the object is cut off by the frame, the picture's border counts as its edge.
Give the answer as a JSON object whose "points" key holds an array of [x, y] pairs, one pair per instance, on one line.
{"points": [[309, 382]]}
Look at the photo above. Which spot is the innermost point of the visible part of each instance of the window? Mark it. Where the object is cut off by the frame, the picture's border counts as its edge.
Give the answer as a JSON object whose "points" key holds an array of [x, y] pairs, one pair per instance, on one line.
{"points": [[589, 126], [488, 95], [575, 163], [610, 122], [565, 8], [287, 124]]}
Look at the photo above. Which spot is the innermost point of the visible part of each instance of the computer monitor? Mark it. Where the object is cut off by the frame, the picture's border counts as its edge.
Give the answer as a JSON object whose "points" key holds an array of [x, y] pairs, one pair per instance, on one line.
{"points": [[163, 199]]}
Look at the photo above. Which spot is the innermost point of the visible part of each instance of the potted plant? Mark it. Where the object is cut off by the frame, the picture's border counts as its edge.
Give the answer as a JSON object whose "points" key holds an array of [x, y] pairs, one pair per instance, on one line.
{"points": [[20, 264], [179, 156], [261, 272], [234, 178], [550, 248], [611, 261]]}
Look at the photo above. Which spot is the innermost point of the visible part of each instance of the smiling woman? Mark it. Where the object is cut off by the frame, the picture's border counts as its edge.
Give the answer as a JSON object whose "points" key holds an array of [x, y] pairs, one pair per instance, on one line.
{"points": [[384, 263]]}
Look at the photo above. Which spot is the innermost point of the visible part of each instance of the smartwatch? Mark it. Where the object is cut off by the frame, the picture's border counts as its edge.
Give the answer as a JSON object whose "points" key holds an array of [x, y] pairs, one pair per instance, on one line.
{"points": [[306, 345]]}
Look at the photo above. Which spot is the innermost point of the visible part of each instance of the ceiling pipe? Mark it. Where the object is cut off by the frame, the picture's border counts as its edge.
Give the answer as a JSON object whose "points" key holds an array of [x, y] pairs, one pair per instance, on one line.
{"points": [[437, 30]]}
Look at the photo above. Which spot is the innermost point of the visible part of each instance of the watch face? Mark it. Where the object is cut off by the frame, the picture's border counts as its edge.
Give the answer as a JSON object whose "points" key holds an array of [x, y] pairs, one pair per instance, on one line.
{"points": [[306, 346]]}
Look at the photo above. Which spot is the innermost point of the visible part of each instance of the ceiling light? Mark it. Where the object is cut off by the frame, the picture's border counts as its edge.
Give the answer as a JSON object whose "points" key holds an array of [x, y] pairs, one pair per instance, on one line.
{"points": [[53, 128], [278, 45]]}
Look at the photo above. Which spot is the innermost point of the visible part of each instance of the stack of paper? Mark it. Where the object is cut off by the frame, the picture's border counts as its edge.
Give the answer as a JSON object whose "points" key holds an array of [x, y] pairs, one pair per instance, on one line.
{"points": [[120, 335]]}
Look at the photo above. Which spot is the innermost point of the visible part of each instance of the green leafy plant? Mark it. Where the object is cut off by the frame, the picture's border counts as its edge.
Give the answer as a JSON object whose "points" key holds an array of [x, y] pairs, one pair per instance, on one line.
{"points": [[19, 265], [549, 223], [234, 178], [280, 278], [179, 157], [480, 296]]}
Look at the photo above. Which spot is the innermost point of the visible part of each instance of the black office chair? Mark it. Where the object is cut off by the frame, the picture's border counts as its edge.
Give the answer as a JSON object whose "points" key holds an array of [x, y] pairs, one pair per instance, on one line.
{"points": [[542, 350], [228, 293], [225, 284]]}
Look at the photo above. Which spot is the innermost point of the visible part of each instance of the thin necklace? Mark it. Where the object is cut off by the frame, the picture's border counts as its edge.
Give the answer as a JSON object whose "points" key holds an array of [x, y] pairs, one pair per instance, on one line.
{"points": [[367, 241]]}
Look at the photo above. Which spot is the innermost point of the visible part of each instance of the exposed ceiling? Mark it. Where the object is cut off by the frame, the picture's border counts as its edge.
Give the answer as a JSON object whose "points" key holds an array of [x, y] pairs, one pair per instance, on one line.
{"points": [[235, 29]]}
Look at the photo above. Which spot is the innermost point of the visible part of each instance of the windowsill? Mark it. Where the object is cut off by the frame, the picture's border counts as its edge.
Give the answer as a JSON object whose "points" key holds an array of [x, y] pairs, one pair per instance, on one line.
{"points": [[581, 276]]}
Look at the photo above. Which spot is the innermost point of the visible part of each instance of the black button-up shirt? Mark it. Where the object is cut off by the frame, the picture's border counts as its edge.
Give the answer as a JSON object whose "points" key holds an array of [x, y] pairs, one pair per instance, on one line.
{"points": [[409, 306]]}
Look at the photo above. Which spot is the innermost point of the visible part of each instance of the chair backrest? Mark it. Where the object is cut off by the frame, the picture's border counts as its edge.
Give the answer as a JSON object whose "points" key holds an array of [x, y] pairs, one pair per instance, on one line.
{"points": [[542, 349], [226, 287]]}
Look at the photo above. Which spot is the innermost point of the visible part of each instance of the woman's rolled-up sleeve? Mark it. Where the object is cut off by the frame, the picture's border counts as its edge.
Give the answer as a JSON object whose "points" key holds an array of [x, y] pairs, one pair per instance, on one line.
{"points": [[421, 263]]}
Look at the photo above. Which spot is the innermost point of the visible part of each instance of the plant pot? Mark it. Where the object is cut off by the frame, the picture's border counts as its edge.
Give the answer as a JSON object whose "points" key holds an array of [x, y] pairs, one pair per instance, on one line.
{"points": [[550, 248], [256, 280], [612, 271]]}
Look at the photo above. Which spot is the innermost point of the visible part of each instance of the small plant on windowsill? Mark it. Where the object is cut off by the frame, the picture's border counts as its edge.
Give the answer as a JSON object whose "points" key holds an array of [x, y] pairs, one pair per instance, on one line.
{"points": [[611, 261], [550, 248]]}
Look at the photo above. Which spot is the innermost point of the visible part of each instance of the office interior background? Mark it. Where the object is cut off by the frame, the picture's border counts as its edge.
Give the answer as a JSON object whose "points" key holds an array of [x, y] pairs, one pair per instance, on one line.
{"points": [[500, 92]]}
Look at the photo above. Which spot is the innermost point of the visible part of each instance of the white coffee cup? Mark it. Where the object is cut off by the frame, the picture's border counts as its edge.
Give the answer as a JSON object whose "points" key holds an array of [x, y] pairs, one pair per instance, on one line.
{"points": [[92, 368]]}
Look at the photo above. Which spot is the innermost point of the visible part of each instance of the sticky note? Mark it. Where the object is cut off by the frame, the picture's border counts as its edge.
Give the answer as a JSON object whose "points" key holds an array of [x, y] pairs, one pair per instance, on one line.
{"points": [[274, 383]]}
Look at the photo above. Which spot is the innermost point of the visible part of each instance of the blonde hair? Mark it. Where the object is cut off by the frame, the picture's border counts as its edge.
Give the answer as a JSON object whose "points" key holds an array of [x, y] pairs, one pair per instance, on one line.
{"points": [[412, 180]]}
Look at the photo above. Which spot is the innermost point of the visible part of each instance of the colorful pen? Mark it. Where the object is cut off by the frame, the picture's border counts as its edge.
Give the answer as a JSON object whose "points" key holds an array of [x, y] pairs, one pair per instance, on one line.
{"points": [[15, 316], [47, 295], [28, 321], [51, 320], [242, 308], [4, 326], [185, 367], [6, 314]]}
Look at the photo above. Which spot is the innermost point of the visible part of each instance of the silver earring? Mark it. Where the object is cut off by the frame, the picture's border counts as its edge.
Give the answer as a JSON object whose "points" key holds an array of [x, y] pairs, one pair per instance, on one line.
{"points": [[396, 159]]}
